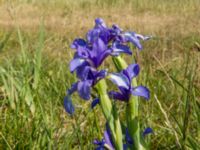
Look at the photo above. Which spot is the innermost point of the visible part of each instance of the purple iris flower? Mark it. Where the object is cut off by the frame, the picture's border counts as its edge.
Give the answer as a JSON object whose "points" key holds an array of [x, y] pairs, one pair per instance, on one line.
{"points": [[107, 141], [114, 35], [90, 53], [123, 80], [94, 54]]}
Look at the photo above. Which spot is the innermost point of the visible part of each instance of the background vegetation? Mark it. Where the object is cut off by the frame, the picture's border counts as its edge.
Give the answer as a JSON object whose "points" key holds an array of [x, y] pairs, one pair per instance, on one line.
{"points": [[34, 54]]}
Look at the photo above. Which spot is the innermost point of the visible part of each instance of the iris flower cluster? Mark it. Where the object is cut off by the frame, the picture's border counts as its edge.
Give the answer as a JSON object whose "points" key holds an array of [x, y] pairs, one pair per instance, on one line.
{"points": [[89, 54], [108, 143]]}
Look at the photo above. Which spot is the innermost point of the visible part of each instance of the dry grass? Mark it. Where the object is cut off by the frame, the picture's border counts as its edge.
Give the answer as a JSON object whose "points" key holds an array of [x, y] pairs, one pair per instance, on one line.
{"points": [[63, 21]]}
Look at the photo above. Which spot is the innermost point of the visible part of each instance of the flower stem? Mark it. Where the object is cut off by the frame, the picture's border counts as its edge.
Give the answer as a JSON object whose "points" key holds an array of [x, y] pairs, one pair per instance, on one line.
{"points": [[110, 114], [131, 109]]}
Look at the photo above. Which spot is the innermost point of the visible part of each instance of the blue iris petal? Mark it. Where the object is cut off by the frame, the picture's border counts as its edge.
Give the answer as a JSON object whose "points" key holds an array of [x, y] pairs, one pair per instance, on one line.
{"points": [[130, 37], [95, 102], [116, 95], [147, 131], [142, 37], [120, 80], [120, 48], [75, 63], [83, 71], [116, 29], [128, 138], [141, 91], [69, 107], [78, 43], [84, 89], [100, 74], [72, 89], [103, 56], [108, 140], [133, 70], [100, 22], [98, 48]]}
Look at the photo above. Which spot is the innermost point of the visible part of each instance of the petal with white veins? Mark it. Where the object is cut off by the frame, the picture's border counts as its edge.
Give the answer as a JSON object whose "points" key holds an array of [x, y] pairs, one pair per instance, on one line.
{"points": [[119, 79]]}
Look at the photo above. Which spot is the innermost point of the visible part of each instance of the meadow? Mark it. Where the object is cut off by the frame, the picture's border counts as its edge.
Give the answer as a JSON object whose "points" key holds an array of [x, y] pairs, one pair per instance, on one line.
{"points": [[35, 38]]}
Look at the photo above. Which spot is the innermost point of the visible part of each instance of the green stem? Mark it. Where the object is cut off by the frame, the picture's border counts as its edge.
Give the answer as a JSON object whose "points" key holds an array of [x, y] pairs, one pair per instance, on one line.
{"points": [[131, 109], [110, 114]]}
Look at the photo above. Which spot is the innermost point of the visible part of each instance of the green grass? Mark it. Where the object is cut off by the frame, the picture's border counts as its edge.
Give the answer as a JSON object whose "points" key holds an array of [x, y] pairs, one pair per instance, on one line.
{"points": [[34, 73]]}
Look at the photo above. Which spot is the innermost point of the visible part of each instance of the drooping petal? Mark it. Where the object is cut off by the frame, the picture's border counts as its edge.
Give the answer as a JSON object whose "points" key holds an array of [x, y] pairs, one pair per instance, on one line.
{"points": [[116, 95], [120, 48], [83, 71], [117, 30], [95, 102], [72, 89], [98, 75], [133, 70], [84, 89], [68, 105], [119, 79], [78, 43], [125, 92], [75, 63], [130, 37], [141, 91], [142, 37], [147, 131]]}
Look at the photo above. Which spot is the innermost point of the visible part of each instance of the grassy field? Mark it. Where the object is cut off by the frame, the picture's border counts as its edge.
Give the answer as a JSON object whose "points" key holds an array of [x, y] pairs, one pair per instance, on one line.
{"points": [[34, 54]]}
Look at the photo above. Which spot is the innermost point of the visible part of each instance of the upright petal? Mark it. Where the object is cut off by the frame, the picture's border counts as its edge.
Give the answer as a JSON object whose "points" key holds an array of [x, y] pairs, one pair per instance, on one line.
{"points": [[99, 22], [75, 63], [141, 91], [69, 107], [92, 35], [84, 89], [120, 80], [99, 46], [133, 70], [103, 56]]}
